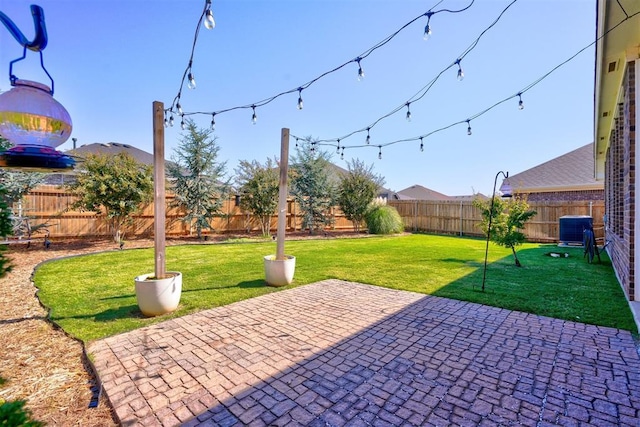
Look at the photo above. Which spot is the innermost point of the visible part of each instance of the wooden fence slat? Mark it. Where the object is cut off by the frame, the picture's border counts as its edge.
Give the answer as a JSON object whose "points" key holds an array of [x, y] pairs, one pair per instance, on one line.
{"points": [[50, 204]]}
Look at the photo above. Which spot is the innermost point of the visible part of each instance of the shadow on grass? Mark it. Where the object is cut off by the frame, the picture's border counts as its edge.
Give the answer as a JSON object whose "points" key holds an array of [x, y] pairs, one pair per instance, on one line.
{"points": [[565, 288], [251, 284], [123, 312]]}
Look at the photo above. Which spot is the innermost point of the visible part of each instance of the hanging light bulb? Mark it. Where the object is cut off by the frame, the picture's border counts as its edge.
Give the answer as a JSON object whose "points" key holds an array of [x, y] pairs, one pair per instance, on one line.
{"points": [[171, 120], [468, 127], [421, 145], [360, 71], [338, 147], [380, 152], [427, 28], [368, 136], [209, 22], [342, 154], [300, 98], [408, 113], [520, 103], [460, 72], [182, 124], [191, 81], [254, 118], [213, 121], [296, 142], [179, 108], [166, 122]]}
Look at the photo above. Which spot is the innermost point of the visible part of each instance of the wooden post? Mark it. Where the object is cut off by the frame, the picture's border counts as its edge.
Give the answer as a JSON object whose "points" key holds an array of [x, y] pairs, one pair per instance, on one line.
{"points": [[282, 197], [159, 211]]}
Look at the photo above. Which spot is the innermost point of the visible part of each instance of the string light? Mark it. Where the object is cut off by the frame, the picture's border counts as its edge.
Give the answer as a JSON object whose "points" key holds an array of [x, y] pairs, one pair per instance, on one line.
{"points": [[171, 120], [421, 144], [254, 117], [209, 22], [179, 109], [299, 98], [425, 90], [213, 122], [192, 81], [520, 103], [408, 112], [342, 154], [296, 142], [338, 147], [460, 72], [182, 124], [368, 140], [360, 71], [498, 103], [427, 28], [166, 122], [379, 152]]}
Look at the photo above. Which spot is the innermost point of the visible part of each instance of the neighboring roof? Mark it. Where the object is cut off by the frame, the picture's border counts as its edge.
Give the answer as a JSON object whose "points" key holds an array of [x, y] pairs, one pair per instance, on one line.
{"points": [[112, 148], [570, 172], [418, 192], [469, 197]]}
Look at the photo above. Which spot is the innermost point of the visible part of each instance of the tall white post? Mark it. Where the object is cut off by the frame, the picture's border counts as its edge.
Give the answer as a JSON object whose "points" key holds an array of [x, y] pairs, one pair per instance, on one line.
{"points": [[159, 211], [282, 197]]}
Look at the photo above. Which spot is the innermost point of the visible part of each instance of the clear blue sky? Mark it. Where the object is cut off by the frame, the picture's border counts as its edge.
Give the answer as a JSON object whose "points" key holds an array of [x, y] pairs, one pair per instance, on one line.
{"points": [[111, 59]]}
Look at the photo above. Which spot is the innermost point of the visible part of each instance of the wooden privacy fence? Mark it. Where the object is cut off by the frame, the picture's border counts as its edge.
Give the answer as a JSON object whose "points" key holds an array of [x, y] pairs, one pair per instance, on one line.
{"points": [[50, 204], [462, 218]]}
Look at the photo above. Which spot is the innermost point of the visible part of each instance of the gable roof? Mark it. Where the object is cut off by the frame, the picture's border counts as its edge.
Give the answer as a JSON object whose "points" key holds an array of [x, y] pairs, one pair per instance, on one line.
{"points": [[418, 192], [570, 172], [112, 148]]}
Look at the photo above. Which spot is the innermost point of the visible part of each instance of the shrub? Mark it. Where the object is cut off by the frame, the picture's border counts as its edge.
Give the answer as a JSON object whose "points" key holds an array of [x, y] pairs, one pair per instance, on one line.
{"points": [[382, 219]]}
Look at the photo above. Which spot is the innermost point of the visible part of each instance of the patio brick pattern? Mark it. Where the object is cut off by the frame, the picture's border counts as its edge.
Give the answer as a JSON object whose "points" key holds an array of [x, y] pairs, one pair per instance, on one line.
{"points": [[346, 354]]}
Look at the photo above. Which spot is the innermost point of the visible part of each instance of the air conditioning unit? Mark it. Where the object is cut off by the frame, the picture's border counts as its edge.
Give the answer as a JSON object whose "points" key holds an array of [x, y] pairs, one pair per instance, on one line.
{"points": [[572, 228]]}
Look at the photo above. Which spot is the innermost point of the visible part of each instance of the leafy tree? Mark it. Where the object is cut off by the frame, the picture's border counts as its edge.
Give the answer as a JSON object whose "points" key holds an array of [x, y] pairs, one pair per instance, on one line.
{"points": [[117, 184], [258, 186], [197, 177], [356, 191], [312, 185], [507, 221]]}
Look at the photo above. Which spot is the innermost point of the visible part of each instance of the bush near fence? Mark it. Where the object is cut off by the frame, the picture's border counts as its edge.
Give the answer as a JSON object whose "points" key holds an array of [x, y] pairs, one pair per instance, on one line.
{"points": [[51, 204]]}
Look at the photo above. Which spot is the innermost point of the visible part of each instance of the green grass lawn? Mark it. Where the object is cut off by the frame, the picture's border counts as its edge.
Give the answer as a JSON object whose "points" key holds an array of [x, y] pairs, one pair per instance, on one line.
{"points": [[92, 296]]}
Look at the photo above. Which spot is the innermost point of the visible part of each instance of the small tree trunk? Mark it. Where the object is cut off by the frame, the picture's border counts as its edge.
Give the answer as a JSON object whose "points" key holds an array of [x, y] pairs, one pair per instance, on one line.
{"points": [[515, 257]]}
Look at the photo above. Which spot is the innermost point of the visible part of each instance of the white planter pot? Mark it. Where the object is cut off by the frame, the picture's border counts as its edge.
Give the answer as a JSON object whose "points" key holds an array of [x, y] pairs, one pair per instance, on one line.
{"points": [[279, 272], [158, 296]]}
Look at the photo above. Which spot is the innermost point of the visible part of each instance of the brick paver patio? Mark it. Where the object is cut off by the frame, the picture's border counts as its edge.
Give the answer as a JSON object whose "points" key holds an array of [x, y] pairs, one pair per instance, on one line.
{"points": [[336, 353]]}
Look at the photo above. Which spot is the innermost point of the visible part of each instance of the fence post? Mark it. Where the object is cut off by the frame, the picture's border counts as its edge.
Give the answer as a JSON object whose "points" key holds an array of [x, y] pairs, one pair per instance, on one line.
{"points": [[460, 218]]}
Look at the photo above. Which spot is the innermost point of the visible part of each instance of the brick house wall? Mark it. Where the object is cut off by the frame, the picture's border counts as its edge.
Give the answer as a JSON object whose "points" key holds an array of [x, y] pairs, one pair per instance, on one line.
{"points": [[620, 178], [566, 196]]}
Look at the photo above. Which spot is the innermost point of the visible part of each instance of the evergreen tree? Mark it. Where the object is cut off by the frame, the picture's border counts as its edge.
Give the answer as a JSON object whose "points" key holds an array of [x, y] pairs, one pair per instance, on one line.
{"points": [[312, 185], [356, 190], [16, 185], [117, 184], [197, 177], [507, 221], [258, 187]]}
